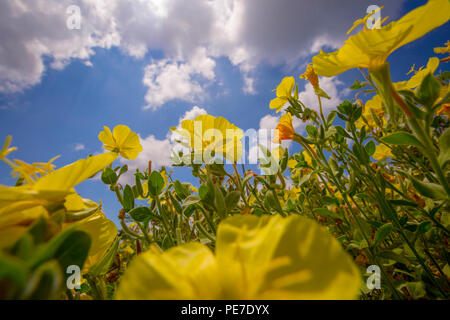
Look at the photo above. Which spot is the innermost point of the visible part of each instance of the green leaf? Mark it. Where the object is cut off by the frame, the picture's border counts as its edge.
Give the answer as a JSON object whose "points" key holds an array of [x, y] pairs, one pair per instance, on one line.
{"points": [[232, 199], [180, 190], [11, 268], [219, 201], [428, 91], [109, 176], [444, 147], [370, 148], [273, 201], [331, 117], [402, 138], [358, 85], [128, 198], [311, 130], [427, 189], [155, 183], [192, 199], [203, 191], [218, 169], [424, 227], [45, 283], [73, 250], [416, 289], [382, 233], [342, 132], [140, 214], [394, 256], [403, 203]]}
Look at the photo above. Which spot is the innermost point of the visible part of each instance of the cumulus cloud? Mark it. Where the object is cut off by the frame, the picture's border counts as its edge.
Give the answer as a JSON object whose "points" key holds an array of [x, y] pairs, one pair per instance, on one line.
{"points": [[191, 34], [167, 80]]}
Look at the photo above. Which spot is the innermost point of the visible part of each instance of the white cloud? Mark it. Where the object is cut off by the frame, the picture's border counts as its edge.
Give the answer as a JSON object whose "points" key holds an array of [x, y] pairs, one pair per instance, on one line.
{"points": [[192, 114], [330, 86], [157, 151], [190, 34], [168, 80], [79, 147]]}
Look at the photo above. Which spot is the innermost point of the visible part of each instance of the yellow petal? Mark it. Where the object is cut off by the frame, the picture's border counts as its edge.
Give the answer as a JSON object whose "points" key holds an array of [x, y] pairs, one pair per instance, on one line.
{"points": [[14, 224], [285, 88], [369, 49], [382, 152], [69, 176], [184, 272], [74, 202], [120, 134], [106, 137], [277, 104], [102, 231], [283, 258], [417, 79]]}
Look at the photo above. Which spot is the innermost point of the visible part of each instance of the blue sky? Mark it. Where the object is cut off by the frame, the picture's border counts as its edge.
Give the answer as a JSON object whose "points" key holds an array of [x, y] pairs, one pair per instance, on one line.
{"points": [[75, 93]]}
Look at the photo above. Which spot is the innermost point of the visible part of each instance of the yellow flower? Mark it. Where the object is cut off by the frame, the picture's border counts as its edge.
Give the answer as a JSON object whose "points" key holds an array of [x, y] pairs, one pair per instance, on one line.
{"points": [[417, 78], [122, 140], [311, 76], [443, 50], [292, 163], [291, 194], [375, 106], [284, 91], [267, 257], [284, 129], [14, 223], [212, 134], [307, 158], [20, 206], [102, 232], [382, 152], [370, 48]]}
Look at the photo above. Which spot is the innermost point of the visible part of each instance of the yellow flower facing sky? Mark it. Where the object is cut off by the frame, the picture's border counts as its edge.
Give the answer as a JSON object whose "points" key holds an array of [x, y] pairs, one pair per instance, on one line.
{"points": [[121, 140], [284, 92], [267, 257], [207, 134], [370, 48]]}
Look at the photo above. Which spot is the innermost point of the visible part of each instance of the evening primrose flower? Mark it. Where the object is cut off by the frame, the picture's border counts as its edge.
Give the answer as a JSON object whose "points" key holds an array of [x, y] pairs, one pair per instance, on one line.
{"points": [[443, 50], [312, 77], [102, 231], [372, 107], [382, 152], [370, 48], [212, 134], [284, 92], [122, 140], [21, 205], [267, 257], [284, 129]]}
